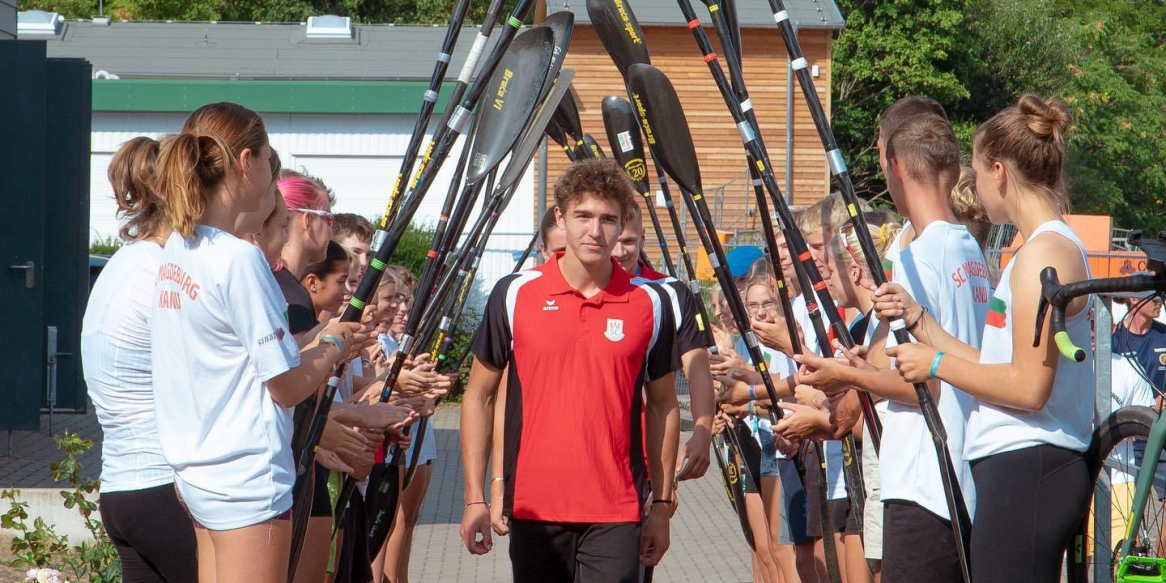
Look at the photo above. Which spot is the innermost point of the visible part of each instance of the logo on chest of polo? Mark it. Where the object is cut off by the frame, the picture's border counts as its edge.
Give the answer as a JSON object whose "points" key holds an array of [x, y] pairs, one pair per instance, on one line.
{"points": [[550, 307], [614, 330]]}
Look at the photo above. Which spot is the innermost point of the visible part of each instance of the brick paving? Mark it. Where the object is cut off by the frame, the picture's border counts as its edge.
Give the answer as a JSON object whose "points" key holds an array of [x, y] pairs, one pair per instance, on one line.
{"points": [[707, 544], [26, 456], [706, 540]]}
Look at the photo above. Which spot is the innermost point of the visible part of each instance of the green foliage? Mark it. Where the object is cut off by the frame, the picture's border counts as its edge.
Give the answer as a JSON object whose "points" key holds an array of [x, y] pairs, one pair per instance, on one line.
{"points": [[39, 545], [413, 247], [361, 11], [1106, 60], [105, 246]]}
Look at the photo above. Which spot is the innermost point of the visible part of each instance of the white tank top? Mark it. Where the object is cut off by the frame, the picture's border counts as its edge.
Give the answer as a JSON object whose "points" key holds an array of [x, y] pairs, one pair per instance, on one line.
{"points": [[1067, 419]]}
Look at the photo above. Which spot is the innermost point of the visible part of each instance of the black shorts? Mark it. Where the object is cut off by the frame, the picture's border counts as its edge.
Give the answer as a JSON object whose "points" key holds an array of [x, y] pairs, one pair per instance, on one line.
{"points": [[844, 520], [918, 545], [568, 552], [153, 534]]}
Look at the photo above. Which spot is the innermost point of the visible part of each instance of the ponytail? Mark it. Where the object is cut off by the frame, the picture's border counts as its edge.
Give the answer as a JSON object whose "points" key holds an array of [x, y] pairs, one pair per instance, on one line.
{"points": [[1029, 138], [131, 174], [189, 168], [194, 163]]}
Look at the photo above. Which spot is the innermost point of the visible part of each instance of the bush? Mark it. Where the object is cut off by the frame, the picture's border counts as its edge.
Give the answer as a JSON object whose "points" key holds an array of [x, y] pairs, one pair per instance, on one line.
{"points": [[105, 246], [39, 546]]}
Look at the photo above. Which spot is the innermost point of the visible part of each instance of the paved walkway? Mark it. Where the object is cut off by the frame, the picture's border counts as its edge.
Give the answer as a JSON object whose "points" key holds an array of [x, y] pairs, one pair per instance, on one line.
{"points": [[706, 540], [707, 544]]}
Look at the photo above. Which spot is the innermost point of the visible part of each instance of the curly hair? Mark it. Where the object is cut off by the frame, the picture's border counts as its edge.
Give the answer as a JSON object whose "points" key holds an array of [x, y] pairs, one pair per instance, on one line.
{"points": [[601, 178]]}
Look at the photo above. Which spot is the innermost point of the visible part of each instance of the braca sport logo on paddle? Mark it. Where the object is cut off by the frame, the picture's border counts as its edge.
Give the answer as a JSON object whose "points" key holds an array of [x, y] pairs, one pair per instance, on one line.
{"points": [[614, 331]]}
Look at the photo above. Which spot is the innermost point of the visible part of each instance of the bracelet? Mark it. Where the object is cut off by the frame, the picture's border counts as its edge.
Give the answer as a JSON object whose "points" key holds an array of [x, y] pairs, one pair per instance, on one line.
{"points": [[935, 363], [661, 501], [497, 479], [752, 393], [482, 502], [335, 340], [912, 325]]}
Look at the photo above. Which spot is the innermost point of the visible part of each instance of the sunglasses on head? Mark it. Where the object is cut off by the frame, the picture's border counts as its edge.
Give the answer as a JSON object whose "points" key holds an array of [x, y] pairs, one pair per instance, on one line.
{"points": [[327, 216]]}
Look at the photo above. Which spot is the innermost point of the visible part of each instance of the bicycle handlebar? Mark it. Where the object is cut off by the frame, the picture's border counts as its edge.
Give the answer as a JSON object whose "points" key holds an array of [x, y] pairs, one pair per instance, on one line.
{"points": [[1056, 295]]}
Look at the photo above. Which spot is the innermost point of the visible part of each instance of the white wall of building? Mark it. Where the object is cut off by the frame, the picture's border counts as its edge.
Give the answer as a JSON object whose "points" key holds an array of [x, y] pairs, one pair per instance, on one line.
{"points": [[357, 156]]}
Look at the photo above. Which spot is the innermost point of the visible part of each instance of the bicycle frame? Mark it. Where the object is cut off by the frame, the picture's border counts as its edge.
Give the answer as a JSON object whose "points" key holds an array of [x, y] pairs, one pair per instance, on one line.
{"points": [[1145, 483]]}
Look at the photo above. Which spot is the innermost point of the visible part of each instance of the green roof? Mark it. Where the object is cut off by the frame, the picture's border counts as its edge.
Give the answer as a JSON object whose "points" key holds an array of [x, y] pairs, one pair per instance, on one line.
{"points": [[177, 95]]}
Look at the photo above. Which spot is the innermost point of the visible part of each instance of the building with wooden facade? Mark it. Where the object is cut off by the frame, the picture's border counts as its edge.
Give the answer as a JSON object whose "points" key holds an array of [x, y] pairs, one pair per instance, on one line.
{"points": [[799, 163], [341, 105]]}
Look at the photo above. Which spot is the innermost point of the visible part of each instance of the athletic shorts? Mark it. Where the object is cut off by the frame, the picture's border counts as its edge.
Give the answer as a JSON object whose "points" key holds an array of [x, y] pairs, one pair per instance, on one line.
{"points": [[428, 449], [793, 505], [872, 519], [918, 545], [150, 529], [552, 552], [844, 521], [198, 525], [768, 453]]}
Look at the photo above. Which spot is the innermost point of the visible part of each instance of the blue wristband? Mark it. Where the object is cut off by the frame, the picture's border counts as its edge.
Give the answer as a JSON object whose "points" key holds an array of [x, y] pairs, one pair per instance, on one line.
{"points": [[752, 393], [335, 340], [935, 363]]}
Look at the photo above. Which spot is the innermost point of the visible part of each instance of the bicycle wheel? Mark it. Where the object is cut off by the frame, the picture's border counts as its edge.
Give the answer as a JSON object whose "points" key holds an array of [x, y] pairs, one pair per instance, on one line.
{"points": [[1114, 459]]}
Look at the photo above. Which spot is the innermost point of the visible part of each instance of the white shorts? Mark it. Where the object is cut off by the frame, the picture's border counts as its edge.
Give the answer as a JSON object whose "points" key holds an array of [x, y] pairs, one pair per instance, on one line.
{"points": [[428, 449], [872, 517]]}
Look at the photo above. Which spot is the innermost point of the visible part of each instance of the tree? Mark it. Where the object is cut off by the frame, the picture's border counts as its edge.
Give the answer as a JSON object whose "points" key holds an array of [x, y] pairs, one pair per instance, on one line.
{"points": [[891, 49], [1106, 60]]}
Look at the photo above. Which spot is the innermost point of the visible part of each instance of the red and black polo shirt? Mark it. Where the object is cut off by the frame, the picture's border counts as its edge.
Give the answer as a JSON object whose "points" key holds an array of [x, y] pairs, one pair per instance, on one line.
{"points": [[692, 331], [573, 450]]}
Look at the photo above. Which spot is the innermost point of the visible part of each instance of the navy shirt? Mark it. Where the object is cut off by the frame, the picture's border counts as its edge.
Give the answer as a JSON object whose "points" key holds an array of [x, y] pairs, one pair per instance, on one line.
{"points": [[1148, 349]]}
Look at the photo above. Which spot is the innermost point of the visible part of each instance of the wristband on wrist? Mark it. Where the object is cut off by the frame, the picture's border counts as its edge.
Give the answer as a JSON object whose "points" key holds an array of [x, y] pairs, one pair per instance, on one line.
{"points": [[918, 320], [752, 393], [482, 502], [661, 501], [935, 363], [334, 340]]}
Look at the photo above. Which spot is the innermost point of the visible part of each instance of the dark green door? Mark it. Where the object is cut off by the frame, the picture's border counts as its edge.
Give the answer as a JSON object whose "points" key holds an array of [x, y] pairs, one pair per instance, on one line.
{"points": [[23, 111], [66, 230]]}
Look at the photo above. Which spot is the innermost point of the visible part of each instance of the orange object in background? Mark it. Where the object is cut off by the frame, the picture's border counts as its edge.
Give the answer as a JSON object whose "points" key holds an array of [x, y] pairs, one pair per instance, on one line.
{"points": [[1095, 232], [704, 267]]}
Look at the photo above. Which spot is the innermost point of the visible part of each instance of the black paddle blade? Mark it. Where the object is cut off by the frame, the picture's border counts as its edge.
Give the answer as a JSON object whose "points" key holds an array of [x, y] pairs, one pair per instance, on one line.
{"points": [[556, 133], [592, 147], [623, 135], [620, 33], [381, 503], [510, 99], [664, 124], [570, 115], [524, 150], [562, 24]]}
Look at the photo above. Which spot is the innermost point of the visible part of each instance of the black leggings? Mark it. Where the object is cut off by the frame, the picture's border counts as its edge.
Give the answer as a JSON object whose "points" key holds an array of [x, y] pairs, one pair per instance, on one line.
{"points": [[1028, 504], [153, 534]]}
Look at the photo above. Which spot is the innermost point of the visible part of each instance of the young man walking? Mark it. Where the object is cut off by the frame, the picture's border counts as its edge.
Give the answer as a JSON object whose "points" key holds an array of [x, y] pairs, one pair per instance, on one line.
{"points": [[579, 339]]}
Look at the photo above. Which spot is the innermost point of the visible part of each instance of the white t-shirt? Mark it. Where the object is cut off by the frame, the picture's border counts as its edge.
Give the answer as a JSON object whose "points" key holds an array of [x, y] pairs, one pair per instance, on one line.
{"points": [[836, 483], [944, 270], [1066, 420], [115, 357], [1129, 389], [780, 366], [220, 331]]}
